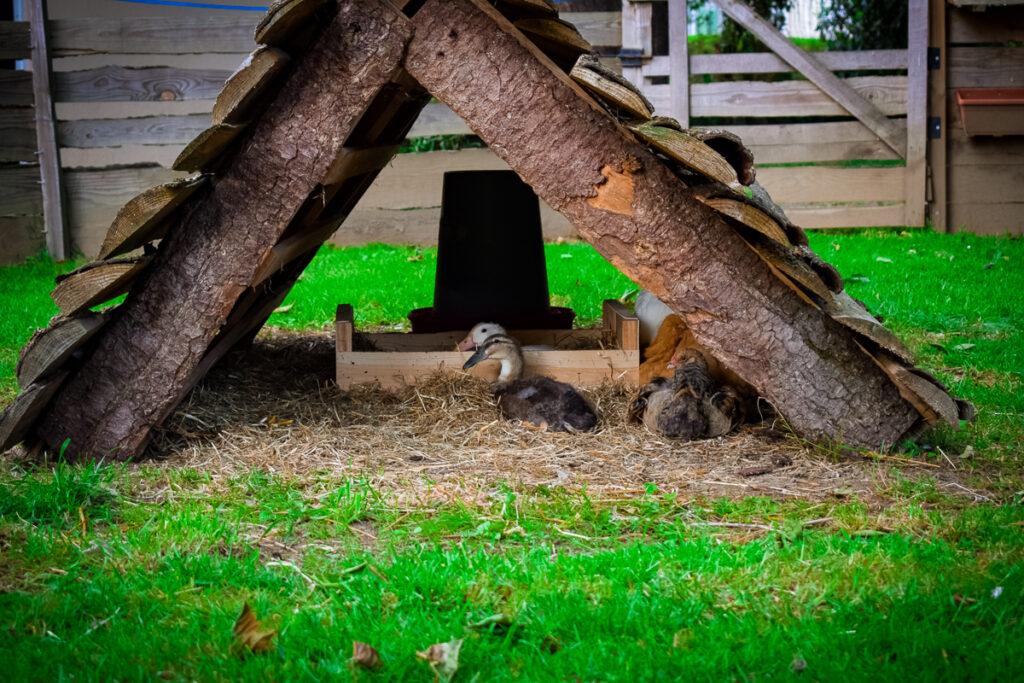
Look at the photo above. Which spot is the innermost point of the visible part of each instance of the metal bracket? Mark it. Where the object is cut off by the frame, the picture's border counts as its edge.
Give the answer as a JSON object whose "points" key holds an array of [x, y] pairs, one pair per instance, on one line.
{"points": [[934, 127], [934, 58], [631, 56]]}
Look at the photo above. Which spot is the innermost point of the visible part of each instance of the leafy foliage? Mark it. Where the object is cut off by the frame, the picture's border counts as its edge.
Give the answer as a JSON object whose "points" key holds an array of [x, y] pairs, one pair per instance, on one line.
{"points": [[864, 24]]}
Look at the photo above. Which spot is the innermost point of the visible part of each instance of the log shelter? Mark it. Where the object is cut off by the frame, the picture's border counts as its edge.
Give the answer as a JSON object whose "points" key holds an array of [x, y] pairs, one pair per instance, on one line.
{"points": [[304, 128]]}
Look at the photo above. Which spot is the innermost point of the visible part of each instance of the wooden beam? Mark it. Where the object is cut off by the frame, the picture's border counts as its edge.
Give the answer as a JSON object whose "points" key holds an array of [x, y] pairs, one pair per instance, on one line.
{"points": [[679, 62], [917, 113], [815, 72], [937, 149], [629, 205], [145, 358], [58, 237], [15, 42]]}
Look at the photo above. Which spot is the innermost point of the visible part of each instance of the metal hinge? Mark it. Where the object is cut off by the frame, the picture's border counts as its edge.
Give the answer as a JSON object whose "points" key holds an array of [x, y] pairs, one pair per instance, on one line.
{"points": [[934, 127], [934, 58]]}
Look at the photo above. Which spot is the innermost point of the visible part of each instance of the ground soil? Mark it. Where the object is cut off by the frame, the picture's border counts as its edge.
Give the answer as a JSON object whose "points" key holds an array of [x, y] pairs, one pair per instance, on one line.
{"points": [[276, 408]]}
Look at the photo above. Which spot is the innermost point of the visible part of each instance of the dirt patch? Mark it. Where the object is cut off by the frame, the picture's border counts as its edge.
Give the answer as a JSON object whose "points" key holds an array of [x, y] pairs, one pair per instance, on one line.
{"points": [[277, 408]]}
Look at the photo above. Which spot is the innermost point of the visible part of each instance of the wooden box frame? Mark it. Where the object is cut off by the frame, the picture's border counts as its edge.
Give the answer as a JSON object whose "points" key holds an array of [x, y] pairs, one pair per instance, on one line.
{"points": [[403, 359]]}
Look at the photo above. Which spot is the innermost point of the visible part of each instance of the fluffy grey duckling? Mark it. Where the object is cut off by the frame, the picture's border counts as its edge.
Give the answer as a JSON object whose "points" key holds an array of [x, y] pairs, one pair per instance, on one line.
{"points": [[539, 400], [689, 405]]}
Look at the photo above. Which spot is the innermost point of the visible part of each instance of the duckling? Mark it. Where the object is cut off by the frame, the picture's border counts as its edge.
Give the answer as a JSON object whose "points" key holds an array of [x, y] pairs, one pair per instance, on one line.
{"points": [[688, 406], [539, 400], [479, 334]]}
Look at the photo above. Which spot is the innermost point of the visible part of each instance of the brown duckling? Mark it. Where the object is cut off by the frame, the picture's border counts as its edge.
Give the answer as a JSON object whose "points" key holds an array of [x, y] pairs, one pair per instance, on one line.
{"points": [[539, 400]]}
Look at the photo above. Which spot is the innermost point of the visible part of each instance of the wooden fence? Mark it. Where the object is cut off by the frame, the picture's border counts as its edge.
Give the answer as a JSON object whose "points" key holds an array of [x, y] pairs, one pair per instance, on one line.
{"points": [[131, 92]]}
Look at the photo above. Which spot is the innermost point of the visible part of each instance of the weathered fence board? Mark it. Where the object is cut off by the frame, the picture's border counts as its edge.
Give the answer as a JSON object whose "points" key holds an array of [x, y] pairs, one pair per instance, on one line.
{"points": [[21, 236], [19, 190], [767, 62], [994, 25], [14, 40], [986, 67], [150, 130], [118, 83], [15, 88], [153, 35], [18, 134], [986, 217]]}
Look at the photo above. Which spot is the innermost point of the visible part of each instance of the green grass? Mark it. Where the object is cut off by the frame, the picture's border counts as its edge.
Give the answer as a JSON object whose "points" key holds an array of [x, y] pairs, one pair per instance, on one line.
{"points": [[139, 572]]}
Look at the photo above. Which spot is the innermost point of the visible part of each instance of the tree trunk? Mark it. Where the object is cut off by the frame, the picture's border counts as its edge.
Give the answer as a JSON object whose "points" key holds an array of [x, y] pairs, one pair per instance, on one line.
{"points": [[649, 224], [145, 359]]}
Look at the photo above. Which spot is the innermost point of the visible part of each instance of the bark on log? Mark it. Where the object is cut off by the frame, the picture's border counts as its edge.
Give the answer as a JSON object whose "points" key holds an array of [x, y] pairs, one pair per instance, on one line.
{"points": [[648, 223], [147, 354]]}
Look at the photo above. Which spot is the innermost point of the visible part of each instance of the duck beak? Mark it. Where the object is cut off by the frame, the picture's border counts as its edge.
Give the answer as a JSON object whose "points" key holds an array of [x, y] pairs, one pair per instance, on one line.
{"points": [[467, 344], [474, 359]]}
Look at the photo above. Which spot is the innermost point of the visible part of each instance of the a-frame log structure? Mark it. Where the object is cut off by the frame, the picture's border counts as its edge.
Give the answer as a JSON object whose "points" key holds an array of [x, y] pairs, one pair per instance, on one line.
{"points": [[301, 135]]}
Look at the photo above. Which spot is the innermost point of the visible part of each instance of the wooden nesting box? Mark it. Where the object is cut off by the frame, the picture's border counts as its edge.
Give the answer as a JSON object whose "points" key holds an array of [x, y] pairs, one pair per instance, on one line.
{"points": [[991, 111], [399, 359]]}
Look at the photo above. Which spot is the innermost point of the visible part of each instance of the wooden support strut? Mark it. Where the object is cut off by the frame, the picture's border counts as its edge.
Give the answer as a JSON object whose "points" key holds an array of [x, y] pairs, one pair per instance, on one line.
{"points": [[646, 222], [146, 357]]}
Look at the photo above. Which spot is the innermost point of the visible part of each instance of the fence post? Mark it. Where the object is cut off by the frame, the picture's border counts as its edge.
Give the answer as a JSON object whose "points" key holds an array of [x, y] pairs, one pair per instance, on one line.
{"points": [[917, 112], [58, 237], [637, 44], [937, 141], [679, 61]]}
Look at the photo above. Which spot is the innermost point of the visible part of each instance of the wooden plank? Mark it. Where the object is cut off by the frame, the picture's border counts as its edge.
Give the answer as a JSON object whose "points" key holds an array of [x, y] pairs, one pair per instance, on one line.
{"points": [[48, 349], [285, 20], [842, 92], [823, 216], [19, 417], [749, 216], [689, 151], [992, 182], [18, 133], [769, 62], [915, 174], [437, 119], [129, 84], [95, 197], [21, 236], [400, 369], [96, 283], [622, 324], [249, 85], [147, 130], [937, 150], [344, 326], [986, 217], [144, 218], [354, 162], [637, 37], [20, 192], [15, 42], [796, 142], [802, 184], [205, 152], [598, 28], [785, 98], [994, 25], [58, 236], [15, 88], [984, 150], [611, 91], [199, 34], [448, 341], [986, 67], [679, 62]]}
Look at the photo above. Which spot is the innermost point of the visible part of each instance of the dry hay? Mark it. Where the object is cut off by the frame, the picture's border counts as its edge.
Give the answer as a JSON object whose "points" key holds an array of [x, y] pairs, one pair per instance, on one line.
{"points": [[276, 408]]}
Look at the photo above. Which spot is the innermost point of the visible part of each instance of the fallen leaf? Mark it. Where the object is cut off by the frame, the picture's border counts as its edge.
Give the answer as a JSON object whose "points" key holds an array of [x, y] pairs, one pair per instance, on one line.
{"points": [[283, 309], [249, 632], [365, 655], [961, 600], [882, 259], [443, 658], [963, 347]]}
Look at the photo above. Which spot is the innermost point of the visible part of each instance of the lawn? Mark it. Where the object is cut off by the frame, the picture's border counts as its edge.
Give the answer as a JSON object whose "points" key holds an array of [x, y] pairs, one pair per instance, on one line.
{"points": [[141, 571]]}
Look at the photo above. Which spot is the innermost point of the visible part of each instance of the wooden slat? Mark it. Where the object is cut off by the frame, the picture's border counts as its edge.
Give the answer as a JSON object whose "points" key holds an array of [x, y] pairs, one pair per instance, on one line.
{"points": [[636, 36], [984, 150], [689, 151], [622, 324], [148, 130], [95, 197], [19, 417], [749, 216], [990, 182], [598, 28], [437, 119], [285, 19], [353, 162], [448, 341], [786, 98], [20, 193], [679, 62], [143, 219], [917, 113], [58, 236], [846, 96], [795, 184], [18, 134], [124, 84], [845, 215], [48, 349], [96, 283], [611, 91], [994, 25], [397, 369], [986, 67], [14, 40], [21, 236], [205, 33], [203, 153], [768, 62], [344, 326], [853, 314], [15, 88], [794, 142], [248, 85], [986, 217]]}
